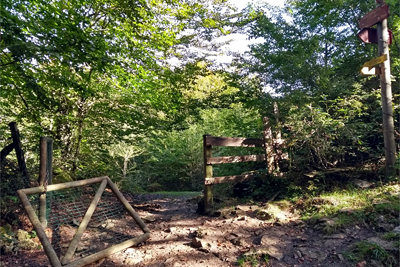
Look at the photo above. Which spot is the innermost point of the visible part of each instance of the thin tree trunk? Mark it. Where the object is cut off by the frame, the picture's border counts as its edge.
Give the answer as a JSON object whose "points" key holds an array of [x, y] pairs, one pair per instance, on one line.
{"points": [[5, 151], [20, 153]]}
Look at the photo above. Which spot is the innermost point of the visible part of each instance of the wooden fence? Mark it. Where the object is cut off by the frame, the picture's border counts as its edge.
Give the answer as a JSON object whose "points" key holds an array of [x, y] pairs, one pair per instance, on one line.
{"points": [[273, 153]]}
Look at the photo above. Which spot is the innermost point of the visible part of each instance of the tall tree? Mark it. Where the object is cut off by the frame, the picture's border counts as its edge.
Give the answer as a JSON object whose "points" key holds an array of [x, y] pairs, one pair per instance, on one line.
{"points": [[310, 55], [310, 46], [90, 72]]}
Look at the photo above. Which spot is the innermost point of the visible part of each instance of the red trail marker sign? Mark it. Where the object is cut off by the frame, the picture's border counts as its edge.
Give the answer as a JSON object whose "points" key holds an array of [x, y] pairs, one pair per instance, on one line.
{"points": [[370, 36]]}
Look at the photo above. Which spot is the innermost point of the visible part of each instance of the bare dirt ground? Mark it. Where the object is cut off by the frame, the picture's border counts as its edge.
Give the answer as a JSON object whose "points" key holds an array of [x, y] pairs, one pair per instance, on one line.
{"points": [[180, 237]]}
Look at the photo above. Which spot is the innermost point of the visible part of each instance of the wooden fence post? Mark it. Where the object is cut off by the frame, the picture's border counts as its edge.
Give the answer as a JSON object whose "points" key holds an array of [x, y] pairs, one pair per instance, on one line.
{"points": [[268, 142], [208, 173], [20, 153], [278, 139], [49, 163], [49, 173], [43, 179]]}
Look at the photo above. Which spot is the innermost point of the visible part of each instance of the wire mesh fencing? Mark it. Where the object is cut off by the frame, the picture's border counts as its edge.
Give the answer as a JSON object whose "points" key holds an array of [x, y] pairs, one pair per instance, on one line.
{"points": [[113, 221]]}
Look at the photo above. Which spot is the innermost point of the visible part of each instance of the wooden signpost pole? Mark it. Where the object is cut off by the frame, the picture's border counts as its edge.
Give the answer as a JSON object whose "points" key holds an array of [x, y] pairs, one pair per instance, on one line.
{"points": [[378, 17], [386, 93]]}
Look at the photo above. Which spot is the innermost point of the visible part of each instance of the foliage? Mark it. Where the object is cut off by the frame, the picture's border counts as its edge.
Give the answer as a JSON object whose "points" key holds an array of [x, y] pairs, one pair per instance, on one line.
{"points": [[310, 46], [250, 260], [98, 77], [253, 259], [90, 72], [174, 159]]}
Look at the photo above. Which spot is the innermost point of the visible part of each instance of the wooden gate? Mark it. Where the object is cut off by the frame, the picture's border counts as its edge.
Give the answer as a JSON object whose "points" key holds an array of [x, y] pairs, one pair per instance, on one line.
{"points": [[273, 153]]}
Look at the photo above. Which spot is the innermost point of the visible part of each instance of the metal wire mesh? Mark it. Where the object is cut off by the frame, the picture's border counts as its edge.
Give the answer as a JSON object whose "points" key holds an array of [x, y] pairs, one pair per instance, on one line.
{"points": [[109, 225]]}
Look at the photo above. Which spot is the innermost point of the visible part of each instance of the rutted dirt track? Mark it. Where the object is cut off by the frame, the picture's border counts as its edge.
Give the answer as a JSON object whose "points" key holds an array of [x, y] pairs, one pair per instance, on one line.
{"points": [[180, 237]]}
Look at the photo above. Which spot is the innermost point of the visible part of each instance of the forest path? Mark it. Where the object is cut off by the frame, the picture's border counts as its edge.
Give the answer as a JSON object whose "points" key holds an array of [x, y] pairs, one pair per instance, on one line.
{"points": [[180, 237]]}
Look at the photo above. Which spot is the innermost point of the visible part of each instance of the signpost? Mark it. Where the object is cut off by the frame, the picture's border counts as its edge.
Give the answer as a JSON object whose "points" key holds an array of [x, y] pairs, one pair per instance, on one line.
{"points": [[375, 61], [368, 71], [370, 36], [382, 36], [378, 14]]}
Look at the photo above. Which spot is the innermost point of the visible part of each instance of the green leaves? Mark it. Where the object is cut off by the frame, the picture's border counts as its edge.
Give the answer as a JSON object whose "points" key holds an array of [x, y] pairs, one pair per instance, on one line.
{"points": [[95, 70], [309, 46]]}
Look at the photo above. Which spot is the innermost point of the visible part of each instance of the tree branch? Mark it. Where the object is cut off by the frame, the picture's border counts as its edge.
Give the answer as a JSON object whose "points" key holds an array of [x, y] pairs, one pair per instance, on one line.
{"points": [[9, 63]]}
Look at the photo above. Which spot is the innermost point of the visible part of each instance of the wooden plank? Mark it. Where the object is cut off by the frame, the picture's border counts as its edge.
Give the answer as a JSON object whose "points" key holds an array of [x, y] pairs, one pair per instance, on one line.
{"points": [[109, 251], [235, 159], [234, 141], [127, 206], [48, 248], [376, 15], [228, 179], [375, 61], [54, 187], [82, 226]]}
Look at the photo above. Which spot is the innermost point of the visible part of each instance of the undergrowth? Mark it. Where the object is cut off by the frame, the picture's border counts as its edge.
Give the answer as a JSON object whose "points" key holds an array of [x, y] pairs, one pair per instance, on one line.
{"points": [[327, 196], [366, 250]]}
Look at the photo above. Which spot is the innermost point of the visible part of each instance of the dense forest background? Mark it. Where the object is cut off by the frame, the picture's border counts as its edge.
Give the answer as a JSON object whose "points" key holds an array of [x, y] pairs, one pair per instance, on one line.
{"points": [[96, 76]]}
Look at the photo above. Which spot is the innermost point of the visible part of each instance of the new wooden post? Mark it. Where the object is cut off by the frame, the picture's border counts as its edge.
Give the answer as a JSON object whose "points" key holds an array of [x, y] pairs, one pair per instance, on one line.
{"points": [[386, 94], [43, 181], [208, 173]]}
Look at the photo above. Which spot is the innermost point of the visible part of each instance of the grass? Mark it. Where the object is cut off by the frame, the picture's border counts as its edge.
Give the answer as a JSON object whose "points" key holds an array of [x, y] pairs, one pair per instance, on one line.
{"points": [[250, 260], [391, 236], [365, 250], [353, 205]]}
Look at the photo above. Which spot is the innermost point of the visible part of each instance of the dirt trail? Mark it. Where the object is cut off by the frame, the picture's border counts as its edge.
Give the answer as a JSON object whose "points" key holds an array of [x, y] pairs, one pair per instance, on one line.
{"points": [[180, 237]]}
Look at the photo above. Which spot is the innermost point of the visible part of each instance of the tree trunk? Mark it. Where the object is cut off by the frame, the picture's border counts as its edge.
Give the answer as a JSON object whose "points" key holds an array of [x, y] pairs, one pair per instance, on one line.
{"points": [[5, 151], [20, 153]]}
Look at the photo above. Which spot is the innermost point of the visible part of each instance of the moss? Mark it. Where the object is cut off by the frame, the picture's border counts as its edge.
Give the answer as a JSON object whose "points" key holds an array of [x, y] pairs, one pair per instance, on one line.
{"points": [[6, 230], [61, 177], [22, 235]]}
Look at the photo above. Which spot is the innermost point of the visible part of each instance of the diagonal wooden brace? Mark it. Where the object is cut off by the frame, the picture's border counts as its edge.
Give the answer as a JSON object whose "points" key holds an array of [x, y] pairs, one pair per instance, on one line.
{"points": [[82, 226]]}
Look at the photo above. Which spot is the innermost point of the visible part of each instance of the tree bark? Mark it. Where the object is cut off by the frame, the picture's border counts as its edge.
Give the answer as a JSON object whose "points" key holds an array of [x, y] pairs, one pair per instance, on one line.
{"points": [[20, 153], [5, 151]]}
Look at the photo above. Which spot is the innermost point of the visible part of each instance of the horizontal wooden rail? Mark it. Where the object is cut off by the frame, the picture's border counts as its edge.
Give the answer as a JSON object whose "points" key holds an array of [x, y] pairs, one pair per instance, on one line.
{"points": [[109, 251], [235, 159], [228, 179], [54, 187], [234, 141]]}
